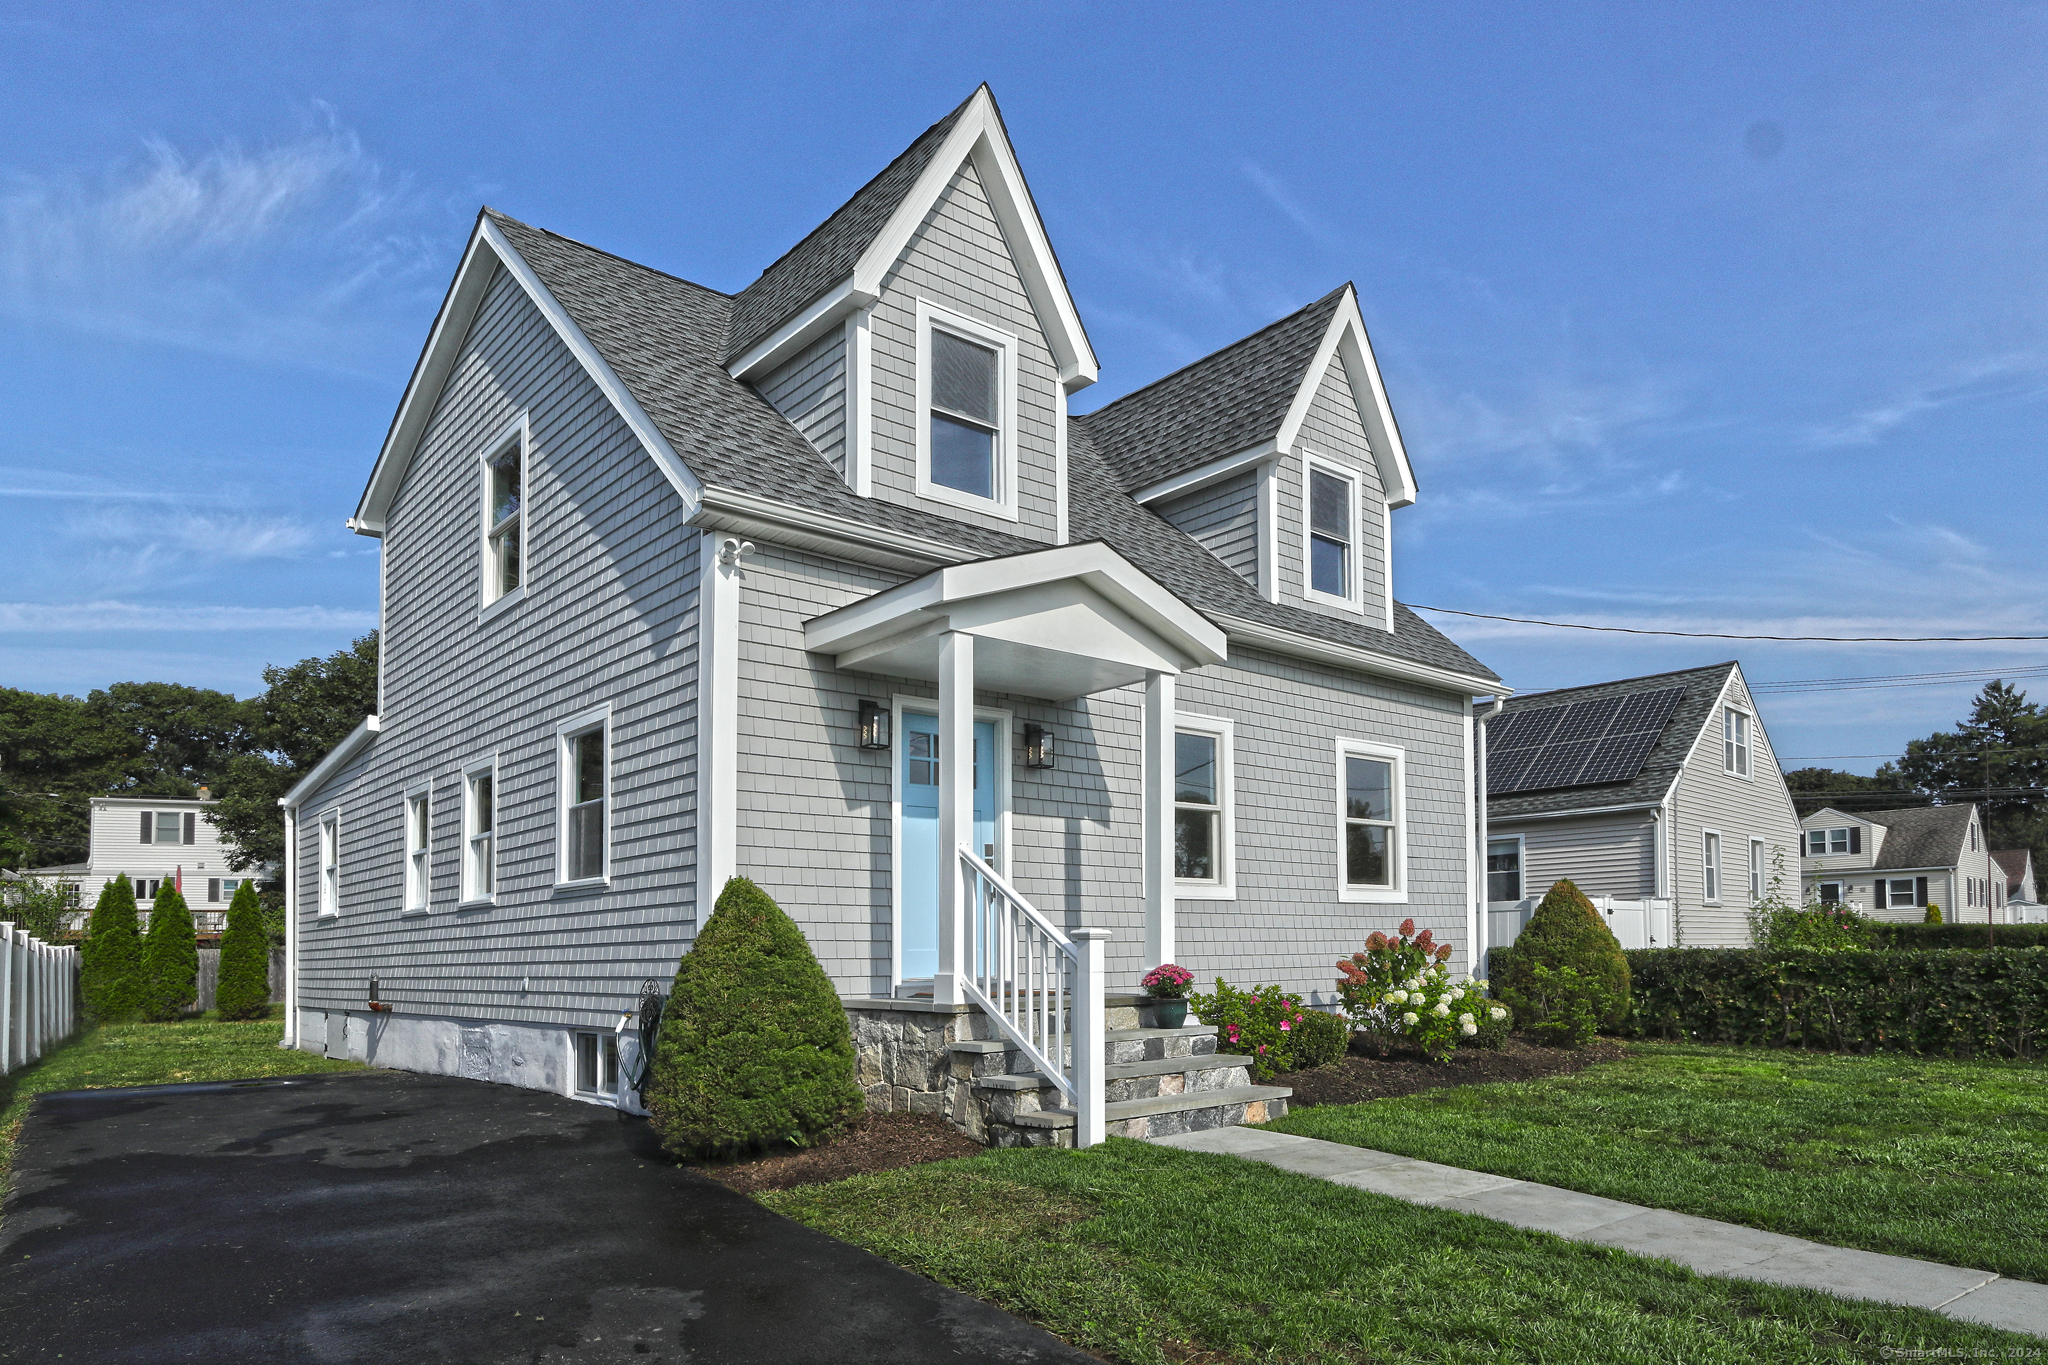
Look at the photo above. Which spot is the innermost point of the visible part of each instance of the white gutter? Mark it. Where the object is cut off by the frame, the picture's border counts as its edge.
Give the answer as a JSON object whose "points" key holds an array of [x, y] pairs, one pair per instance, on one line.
{"points": [[1481, 929], [1282, 641], [291, 926]]}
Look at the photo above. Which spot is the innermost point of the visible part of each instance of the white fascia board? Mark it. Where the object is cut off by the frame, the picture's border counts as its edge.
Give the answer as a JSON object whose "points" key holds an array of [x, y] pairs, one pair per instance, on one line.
{"points": [[1346, 337], [358, 739], [730, 508], [829, 310], [1281, 641], [978, 135], [1492, 819], [1213, 472], [489, 248]]}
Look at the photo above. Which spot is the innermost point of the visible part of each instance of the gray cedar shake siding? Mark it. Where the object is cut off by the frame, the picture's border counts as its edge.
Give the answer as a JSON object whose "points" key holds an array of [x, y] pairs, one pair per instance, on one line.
{"points": [[609, 617], [1224, 517], [810, 390]]}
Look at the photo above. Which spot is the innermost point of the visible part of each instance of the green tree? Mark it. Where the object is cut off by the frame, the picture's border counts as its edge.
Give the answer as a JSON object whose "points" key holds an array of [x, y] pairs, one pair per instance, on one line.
{"points": [[1997, 757], [1814, 788], [111, 959], [54, 754], [1565, 972], [170, 958], [754, 1045], [38, 904], [244, 989], [173, 739], [307, 708]]}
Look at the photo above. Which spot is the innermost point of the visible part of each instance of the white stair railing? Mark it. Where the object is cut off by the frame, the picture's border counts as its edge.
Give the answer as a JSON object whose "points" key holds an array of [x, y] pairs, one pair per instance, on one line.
{"points": [[1042, 988]]}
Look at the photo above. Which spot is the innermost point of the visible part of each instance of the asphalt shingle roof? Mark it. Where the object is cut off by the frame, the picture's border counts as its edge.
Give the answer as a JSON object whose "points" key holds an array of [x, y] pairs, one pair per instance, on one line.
{"points": [[1217, 406], [1922, 836], [1653, 781]]}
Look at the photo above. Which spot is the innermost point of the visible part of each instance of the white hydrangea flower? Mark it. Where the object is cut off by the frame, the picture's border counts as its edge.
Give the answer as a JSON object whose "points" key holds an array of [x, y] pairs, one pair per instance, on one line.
{"points": [[1470, 1029], [1397, 997], [1465, 1019], [1497, 1013], [1457, 994], [1441, 1010], [1409, 1018]]}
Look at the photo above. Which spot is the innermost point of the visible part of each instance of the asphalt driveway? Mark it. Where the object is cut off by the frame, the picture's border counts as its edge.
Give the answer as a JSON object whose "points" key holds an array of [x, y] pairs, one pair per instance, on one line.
{"points": [[387, 1217]]}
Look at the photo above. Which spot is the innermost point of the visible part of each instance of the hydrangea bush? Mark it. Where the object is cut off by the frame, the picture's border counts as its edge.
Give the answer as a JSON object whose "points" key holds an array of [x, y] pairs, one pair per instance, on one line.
{"points": [[1400, 990]]}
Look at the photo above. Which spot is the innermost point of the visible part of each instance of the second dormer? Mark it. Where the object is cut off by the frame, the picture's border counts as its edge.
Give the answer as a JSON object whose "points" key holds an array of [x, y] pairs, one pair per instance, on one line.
{"points": [[922, 338]]}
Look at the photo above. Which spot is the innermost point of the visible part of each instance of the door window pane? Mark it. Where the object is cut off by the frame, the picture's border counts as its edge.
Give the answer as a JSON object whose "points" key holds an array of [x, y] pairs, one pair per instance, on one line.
{"points": [[1504, 869], [923, 764]]}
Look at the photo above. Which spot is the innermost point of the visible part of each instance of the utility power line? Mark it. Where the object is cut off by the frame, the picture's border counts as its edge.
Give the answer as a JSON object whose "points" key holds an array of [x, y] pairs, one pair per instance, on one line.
{"points": [[1722, 635]]}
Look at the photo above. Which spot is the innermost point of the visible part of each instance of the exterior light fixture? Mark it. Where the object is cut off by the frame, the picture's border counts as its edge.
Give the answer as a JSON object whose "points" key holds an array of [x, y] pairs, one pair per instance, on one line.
{"points": [[874, 725], [1038, 747]]}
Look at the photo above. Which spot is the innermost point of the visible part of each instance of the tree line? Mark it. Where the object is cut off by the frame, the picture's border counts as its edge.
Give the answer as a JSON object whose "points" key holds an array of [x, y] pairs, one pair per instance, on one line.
{"points": [[166, 739]]}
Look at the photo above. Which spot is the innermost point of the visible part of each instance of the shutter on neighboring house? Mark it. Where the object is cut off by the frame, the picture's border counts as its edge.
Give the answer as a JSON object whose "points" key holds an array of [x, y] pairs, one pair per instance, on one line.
{"points": [[1855, 838], [1920, 891], [149, 827], [191, 827], [213, 888]]}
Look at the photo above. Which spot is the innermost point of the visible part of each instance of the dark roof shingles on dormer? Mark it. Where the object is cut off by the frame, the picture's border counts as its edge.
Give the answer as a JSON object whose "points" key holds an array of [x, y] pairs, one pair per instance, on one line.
{"points": [[1921, 836], [1218, 406]]}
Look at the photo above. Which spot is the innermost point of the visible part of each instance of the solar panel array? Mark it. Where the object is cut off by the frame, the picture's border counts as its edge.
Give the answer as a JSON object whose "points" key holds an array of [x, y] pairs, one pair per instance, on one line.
{"points": [[1578, 744]]}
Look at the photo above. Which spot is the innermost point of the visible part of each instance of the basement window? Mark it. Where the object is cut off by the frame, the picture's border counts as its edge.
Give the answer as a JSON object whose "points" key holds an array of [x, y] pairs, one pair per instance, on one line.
{"points": [[597, 1063]]}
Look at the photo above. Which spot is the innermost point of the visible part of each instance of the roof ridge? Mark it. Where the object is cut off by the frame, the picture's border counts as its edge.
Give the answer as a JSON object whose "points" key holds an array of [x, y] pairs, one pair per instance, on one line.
{"points": [[1612, 682], [1203, 360], [501, 215]]}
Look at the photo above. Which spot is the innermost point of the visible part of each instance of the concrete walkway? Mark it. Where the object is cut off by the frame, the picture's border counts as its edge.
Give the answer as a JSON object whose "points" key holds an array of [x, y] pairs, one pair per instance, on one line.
{"points": [[1701, 1244]]}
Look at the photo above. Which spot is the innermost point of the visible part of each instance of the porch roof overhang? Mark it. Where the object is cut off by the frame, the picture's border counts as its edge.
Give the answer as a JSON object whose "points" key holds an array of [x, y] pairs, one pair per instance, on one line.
{"points": [[1055, 624]]}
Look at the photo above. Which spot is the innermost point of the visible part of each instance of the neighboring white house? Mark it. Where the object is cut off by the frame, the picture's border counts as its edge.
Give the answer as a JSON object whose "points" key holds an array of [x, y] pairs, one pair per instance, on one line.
{"points": [[1660, 797], [156, 841], [2022, 897], [821, 583], [1892, 863]]}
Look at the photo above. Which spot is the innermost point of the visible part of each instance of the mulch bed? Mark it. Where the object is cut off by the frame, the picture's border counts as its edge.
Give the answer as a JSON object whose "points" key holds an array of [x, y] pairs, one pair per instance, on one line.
{"points": [[1363, 1075], [872, 1142]]}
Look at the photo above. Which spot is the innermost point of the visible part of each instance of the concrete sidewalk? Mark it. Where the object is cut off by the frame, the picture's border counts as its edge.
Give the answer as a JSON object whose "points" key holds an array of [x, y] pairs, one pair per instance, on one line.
{"points": [[1700, 1244]]}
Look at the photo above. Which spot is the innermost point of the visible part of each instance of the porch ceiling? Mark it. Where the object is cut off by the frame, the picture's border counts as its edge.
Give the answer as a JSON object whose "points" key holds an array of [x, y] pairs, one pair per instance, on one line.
{"points": [[1055, 624]]}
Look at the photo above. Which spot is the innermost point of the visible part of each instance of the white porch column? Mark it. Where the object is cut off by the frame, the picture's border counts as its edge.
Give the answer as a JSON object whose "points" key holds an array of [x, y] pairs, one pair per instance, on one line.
{"points": [[956, 804], [1159, 945]]}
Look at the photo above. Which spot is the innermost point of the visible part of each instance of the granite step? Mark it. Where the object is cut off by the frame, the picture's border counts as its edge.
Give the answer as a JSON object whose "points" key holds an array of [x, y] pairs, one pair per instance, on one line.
{"points": [[1121, 1071], [1119, 1115]]}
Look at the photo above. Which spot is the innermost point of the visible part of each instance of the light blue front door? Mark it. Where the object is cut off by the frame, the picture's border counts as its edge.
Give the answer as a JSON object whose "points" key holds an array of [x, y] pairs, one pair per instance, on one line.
{"points": [[917, 857]]}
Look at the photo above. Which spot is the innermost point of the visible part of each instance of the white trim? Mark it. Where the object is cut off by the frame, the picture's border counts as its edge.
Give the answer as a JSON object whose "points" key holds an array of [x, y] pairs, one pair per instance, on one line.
{"points": [[328, 832], [1747, 747], [1717, 863], [444, 343], [1004, 475], [594, 720], [1224, 886], [1475, 891], [337, 758], [1346, 336], [730, 509], [860, 403], [810, 323], [1353, 597], [1397, 840], [718, 692], [1571, 814], [1387, 561], [1283, 641], [1269, 531], [518, 433], [1213, 472], [418, 879], [1757, 855], [291, 924], [929, 706], [1061, 522], [466, 892]]}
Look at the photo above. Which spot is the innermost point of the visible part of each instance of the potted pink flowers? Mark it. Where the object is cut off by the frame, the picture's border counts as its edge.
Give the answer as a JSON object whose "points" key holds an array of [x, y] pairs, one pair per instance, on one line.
{"points": [[1166, 987]]}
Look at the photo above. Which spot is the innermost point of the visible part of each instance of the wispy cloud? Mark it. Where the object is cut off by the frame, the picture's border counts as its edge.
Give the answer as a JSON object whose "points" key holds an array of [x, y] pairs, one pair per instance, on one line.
{"points": [[1999, 377], [1555, 422], [84, 617], [213, 536], [281, 250], [1283, 198]]}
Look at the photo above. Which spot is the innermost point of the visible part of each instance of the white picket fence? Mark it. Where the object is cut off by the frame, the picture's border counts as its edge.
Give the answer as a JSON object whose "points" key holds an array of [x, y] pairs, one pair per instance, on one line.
{"points": [[38, 996], [1637, 924]]}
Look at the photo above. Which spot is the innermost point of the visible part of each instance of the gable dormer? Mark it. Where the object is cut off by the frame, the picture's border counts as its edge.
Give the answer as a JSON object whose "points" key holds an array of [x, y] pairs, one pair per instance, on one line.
{"points": [[1279, 454], [923, 339]]}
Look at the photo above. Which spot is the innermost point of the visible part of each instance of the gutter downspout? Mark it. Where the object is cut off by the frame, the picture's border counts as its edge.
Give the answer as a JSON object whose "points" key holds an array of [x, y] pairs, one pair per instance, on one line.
{"points": [[291, 927], [1482, 929]]}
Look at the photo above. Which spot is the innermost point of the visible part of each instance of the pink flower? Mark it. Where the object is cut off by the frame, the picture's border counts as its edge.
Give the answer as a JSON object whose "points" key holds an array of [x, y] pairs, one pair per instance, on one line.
{"points": [[1284, 1026]]}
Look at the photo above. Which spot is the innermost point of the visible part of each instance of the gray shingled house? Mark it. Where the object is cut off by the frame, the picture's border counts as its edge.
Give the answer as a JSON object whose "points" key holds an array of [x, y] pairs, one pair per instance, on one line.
{"points": [[1659, 796], [1891, 863], [681, 584]]}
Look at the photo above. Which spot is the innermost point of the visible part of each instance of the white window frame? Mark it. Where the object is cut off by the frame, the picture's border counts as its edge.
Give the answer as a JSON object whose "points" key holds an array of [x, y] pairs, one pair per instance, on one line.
{"points": [[606, 1064], [1521, 844], [1912, 890], [1820, 891], [1223, 887], [491, 600], [1738, 757], [596, 720], [1006, 345], [470, 893], [1397, 843], [1712, 879], [1973, 836], [1827, 840], [328, 864], [1354, 580], [419, 856], [1756, 870]]}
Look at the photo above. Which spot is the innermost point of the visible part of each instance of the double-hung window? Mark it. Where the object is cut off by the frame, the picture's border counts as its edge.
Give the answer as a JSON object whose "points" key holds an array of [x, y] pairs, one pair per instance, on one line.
{"points": [[1756, 869], [418, 839], [330, 863], [597, 1063], [504, 515], [1202, 834], [1898, 892], [585, 772], [479, 832], [1710, 860], [1332, 535], [1504, 869], [1370, 802], [1735, 741], [1822, 842], [966, 412]]}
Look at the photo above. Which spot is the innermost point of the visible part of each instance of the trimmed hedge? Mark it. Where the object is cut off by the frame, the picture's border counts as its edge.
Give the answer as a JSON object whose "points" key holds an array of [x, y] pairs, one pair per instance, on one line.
{"points": [[1924, 937], [1566, 975], [1958, 1002]]}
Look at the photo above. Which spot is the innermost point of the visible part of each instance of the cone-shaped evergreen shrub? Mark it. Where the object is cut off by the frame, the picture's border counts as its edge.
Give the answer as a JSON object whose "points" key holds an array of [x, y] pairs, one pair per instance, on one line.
{"points": [[170, 957], [110, 959], [1933, 915], [244, 989], [1565, 963], [754, 1045]]}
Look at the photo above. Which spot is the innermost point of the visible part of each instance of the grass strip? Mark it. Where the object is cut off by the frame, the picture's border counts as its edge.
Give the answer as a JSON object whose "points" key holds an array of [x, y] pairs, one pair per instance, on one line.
{"points": [[1147, 1254], [1930, 1157], [204, 1048]]}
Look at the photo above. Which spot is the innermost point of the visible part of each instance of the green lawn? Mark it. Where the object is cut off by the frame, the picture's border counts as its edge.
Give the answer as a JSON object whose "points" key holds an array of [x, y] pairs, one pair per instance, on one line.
{"points": [[201, 1049], [1939, 1159], [1147, 1254]]}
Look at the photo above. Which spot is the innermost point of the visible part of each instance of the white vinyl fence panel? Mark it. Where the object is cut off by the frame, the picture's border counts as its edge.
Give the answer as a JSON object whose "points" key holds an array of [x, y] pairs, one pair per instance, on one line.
{"points": [[1636, 924], [38, 996]]}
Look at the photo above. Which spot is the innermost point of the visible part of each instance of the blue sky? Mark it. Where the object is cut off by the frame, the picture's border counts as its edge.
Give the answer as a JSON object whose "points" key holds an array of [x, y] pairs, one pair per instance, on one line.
{"points": [[1700, 318]]}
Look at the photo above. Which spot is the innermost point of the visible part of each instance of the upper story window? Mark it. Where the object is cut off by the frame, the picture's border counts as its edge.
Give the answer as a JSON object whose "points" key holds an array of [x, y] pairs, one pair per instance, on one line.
{"points": [[418, 838], [504, 516], [1756, 869], [1202, 815], [170, 827], [1973, 836], [1332, 535], [479, 833], [966, 399], [584, 763], [1822, 842], [1735, 741], [330, 863], [1710, 861], [1371, 794]]}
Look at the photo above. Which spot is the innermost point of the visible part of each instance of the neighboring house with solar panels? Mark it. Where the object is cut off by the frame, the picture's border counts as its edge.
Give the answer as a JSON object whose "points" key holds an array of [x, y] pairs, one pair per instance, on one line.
{"points": [[1659, 796], [1891, 864], [820, 583]]}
